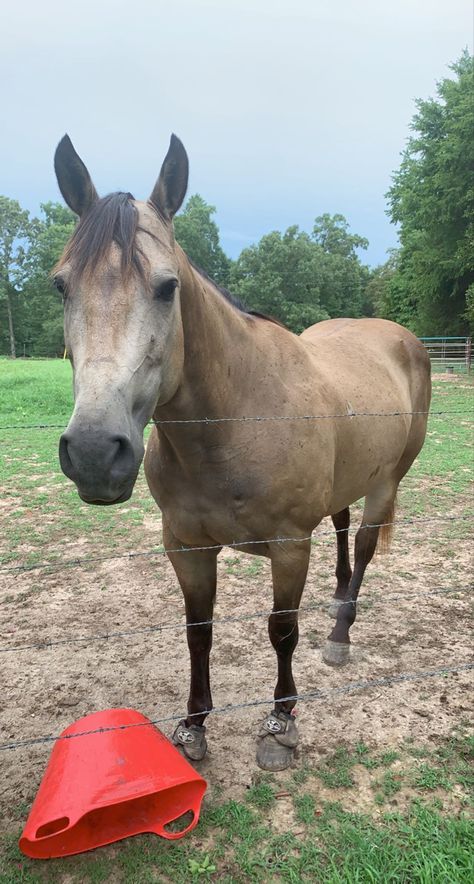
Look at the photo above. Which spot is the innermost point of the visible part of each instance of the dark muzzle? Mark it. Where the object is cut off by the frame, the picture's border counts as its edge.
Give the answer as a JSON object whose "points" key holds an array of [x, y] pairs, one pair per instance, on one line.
{"points": [[103, 466]]}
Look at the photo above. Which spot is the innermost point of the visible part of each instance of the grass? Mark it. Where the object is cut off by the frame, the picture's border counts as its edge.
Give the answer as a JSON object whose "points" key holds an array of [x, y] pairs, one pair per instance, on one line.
{"points": [[443, 470], [325, 840], [416, 823], [243, 566], [35, 391], [40, 391]]}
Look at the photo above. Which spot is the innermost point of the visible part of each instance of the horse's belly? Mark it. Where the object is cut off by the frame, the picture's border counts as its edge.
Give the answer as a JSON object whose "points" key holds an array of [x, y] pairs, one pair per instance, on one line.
{"points": [[367, 458]]}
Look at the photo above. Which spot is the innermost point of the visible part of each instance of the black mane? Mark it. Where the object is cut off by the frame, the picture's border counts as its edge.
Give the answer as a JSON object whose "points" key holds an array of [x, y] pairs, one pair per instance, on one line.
{"points": [[232, 299]]}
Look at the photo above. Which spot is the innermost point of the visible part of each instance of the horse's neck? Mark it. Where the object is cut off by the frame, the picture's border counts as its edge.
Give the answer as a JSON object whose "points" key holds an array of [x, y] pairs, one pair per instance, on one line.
{"points": [[217, 339]]}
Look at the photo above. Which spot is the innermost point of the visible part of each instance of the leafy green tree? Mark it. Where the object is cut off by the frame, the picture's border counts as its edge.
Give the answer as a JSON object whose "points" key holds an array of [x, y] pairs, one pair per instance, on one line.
{"points": [[470, 305], [280, 276], [387, 295], [302, 279], [198, 234], [43, 324], [344, 277], [432, 199], [331, 232], [15, 231]]}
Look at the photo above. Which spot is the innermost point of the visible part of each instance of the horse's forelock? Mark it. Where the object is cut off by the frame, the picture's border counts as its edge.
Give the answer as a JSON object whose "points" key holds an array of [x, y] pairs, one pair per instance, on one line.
{"points": [[112, 219]]}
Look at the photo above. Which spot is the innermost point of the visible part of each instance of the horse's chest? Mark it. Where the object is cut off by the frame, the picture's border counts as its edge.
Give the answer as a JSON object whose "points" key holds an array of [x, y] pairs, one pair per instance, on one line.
{"points": [[211, 503]]}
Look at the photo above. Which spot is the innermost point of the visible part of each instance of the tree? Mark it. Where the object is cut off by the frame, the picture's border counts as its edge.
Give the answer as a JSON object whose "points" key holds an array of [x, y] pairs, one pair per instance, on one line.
{"points": [[198, 234], [302, 279], [344, 276], [432, 199], [15, 230], [331, 232], [280, 276], [43, 324], [387, 294]]}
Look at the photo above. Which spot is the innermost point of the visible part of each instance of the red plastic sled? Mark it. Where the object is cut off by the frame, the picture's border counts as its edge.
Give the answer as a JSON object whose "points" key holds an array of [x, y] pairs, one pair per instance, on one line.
{"points": [[105, 786]]}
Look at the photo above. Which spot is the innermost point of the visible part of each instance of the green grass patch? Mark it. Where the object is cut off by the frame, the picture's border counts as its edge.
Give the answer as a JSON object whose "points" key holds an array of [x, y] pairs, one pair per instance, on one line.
{"points": [[447, 453], [46, 514], [336, 772], [35, 391], [335, 846], [324, 841]]}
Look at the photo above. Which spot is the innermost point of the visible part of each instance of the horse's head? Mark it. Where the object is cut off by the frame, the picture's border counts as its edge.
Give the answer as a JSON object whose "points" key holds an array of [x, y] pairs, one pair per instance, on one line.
{"points": [[120, 280]]}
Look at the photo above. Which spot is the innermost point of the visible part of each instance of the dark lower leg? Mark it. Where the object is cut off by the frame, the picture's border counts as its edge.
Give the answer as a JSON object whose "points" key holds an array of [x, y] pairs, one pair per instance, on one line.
{"points": [[341, 522], [283, 632], [289, 570], [199, 644], [278, 735], [365, 544], [196, 571]]}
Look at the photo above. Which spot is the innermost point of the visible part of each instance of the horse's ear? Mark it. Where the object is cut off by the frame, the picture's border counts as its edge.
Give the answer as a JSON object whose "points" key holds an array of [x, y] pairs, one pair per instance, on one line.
{"points": [[74, 180], [169, 191]]}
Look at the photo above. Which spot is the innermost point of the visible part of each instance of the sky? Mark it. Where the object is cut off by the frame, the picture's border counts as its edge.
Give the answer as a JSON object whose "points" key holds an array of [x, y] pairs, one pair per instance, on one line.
{"points": [[287, 109]]}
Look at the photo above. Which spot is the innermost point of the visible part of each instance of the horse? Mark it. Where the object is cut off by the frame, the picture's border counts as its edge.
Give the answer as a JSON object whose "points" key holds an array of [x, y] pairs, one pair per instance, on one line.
{"points": [[152, 338]]}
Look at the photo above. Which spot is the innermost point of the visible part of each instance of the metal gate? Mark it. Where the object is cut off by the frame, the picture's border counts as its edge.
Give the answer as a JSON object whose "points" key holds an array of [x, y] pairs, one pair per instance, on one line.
{"points": [[449, 354]]}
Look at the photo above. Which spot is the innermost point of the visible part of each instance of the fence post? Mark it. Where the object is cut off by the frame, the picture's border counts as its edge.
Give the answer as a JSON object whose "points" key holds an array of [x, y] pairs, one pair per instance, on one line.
{"points": [[468, 353]]}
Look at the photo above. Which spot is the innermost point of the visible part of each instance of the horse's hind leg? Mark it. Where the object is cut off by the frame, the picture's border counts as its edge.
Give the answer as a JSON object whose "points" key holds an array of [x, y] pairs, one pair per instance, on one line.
{"points": [[196, 571], [341, 522], [379, 507], [278, 737]]}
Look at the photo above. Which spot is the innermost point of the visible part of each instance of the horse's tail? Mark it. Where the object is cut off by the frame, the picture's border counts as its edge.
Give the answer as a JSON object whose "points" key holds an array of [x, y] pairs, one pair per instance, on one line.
{"points": [[386, 531]]}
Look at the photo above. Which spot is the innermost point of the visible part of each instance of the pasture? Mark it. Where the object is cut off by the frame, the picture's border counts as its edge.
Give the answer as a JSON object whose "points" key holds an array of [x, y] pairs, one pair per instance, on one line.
{"points": [[381, 772]]}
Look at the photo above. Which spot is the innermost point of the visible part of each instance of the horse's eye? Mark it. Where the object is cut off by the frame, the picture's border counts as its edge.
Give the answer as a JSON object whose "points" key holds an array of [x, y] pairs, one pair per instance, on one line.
{"points": [[60, 285], [164, 291]]}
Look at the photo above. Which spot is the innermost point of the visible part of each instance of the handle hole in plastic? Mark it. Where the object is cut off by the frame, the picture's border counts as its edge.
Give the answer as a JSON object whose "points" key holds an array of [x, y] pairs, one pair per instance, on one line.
{"points": [[53, 827], [179, 824]]}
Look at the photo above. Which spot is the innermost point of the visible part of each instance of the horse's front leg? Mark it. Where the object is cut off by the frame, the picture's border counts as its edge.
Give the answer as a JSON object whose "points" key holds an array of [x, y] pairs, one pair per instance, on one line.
{"points": [[278, 736], [196, 572]]}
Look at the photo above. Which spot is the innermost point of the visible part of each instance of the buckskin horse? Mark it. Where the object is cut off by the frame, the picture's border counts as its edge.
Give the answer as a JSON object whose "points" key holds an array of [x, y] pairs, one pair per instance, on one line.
{"points": [[151, 337]]}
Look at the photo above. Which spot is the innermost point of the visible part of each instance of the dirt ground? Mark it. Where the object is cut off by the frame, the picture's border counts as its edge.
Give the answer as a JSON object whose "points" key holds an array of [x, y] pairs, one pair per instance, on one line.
{"points": [[44, 690]]}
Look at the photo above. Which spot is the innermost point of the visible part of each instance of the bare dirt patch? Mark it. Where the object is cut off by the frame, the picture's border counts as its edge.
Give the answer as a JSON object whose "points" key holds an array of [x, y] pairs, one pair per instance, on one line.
{"points": [[399, 629]]}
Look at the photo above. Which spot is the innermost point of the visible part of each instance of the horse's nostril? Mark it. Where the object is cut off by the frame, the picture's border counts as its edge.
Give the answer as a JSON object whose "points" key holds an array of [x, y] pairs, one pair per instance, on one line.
{"points": [[64, 456], [123, 457]]}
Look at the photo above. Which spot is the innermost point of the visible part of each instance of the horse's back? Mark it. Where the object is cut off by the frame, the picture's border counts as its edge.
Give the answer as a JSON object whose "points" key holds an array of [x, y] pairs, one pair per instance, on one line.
{"points": [[378, 334], [355, 352]]}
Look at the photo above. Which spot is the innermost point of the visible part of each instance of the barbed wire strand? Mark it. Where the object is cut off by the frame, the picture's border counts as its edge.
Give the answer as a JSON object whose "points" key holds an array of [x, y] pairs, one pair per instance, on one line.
{"points": [[47, 644], [308, 417], [235, 544], [258, 418], [225, 710]]}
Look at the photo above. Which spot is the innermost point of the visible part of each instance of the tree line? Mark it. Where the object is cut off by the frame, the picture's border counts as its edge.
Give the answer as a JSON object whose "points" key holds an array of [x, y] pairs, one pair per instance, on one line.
{"points": [[299, 277]]}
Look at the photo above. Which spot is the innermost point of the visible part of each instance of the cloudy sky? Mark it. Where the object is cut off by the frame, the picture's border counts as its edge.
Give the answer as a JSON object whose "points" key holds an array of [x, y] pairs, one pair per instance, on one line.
{"points": [[287, 108]]}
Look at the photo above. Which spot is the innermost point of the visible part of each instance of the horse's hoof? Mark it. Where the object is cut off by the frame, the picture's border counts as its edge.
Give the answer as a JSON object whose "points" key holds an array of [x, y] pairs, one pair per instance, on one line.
{"points": [[336, 653], [333, 609], [191, 741], [277, 740]]}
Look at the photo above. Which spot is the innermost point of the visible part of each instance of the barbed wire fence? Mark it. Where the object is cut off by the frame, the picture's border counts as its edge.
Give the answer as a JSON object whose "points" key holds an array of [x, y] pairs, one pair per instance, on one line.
{"points": [[259, 418], [177, 625], [308, 696], [84, 561], [316, 695]]}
